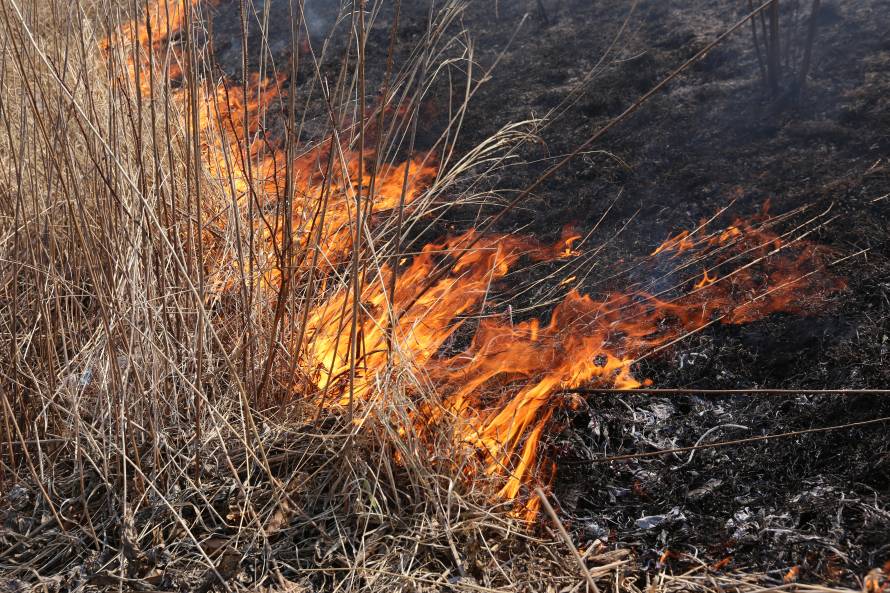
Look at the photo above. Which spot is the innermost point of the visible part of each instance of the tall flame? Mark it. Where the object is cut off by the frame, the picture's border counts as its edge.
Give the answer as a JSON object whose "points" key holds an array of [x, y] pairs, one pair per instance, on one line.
{"points": [[499, 394]]}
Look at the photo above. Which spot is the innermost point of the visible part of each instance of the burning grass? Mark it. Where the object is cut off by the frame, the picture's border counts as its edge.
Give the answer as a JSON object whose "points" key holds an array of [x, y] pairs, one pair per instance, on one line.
{"points": [[223, 366]]}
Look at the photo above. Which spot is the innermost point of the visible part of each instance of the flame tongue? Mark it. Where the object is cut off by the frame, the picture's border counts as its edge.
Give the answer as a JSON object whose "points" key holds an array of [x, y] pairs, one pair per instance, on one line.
{"points": [[426, 314], [499, 394]]}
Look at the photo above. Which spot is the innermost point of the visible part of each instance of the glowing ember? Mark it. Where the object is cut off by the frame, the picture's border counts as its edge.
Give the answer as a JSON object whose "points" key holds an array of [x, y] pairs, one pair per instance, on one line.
{"points": [[500, 392]]}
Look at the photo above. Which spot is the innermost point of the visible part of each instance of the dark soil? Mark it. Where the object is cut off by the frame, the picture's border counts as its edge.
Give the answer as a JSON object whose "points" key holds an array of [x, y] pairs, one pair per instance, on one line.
{"points": [[821, 501]]}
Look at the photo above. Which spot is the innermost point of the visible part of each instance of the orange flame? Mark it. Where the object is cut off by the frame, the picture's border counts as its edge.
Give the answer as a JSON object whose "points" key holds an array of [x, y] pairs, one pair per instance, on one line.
{"points": [[500, 393], [569, 237], [705, 280], [679, 243]]}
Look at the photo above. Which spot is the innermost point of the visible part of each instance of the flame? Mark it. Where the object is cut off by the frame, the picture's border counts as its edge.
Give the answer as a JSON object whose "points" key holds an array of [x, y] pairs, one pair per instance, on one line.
{"points": [[678, 243], [238, 153], [569, 237], [500, 393], [705, 280], [149, 39]]}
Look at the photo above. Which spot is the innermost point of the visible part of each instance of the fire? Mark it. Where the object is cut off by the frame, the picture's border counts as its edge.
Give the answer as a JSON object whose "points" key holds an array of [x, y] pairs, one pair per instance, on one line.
{"points": [[678, 244], [237, 152], [569, 237], [227, 153], [426, 314], [144, 45], [499, 393], [705, 280]]}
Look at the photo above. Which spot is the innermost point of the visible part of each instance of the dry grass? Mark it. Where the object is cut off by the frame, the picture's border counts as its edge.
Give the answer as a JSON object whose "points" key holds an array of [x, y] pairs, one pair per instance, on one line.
{"points": [[141, 446], [154, 435]]}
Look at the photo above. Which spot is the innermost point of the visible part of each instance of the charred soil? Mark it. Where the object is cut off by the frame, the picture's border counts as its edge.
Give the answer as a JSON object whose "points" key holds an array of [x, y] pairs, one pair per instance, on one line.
{"points": [[818, 501]]}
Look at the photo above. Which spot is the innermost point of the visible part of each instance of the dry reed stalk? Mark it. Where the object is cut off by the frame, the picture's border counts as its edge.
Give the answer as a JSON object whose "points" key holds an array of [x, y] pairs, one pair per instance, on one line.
{"points": [[132, 379]]}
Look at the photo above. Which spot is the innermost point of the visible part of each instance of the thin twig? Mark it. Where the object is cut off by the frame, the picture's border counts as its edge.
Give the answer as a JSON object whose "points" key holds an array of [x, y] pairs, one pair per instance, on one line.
{"points": [[741, 391], [567, 539], [732, 443]]}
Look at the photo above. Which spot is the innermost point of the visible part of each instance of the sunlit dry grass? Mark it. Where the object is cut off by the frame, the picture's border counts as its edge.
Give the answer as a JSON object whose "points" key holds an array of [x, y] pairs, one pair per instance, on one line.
{"points": [[150, 424]]}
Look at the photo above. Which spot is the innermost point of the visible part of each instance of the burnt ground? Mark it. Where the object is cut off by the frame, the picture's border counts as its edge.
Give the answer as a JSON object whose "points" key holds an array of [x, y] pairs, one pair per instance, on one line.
{"points": [[820, 501]]}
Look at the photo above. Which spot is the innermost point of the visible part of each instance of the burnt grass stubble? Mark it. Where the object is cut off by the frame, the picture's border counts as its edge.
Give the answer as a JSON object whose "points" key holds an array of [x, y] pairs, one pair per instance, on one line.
{"points": [[820, 501]]}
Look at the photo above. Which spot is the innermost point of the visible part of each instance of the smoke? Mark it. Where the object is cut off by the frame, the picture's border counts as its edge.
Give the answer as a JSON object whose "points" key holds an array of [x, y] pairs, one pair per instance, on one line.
{"points": [[320, 17]]}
